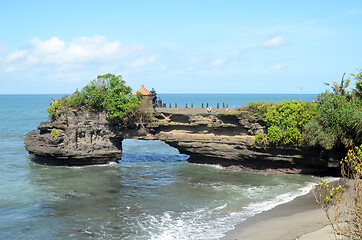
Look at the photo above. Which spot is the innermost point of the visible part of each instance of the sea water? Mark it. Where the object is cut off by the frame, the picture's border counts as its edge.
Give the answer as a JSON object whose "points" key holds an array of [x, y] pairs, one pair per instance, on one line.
{"points": [[152, 193], [230, 100]]}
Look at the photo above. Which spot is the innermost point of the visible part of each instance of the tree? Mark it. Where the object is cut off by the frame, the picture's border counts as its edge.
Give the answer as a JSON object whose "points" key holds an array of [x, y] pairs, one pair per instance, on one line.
{"points": [[341, 88], [358, 90], [338, 122], [105, 93]]}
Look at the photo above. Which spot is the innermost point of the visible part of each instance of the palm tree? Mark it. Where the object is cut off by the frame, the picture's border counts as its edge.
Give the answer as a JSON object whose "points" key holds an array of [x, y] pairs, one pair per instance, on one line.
{"points": [[358, 91], [341, 88]]}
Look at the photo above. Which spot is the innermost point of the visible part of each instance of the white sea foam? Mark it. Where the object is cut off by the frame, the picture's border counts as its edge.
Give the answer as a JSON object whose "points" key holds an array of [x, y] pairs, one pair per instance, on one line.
{"points": [[193, 225], [256, 208], [216, 166], [96, 165], [213, 223]]}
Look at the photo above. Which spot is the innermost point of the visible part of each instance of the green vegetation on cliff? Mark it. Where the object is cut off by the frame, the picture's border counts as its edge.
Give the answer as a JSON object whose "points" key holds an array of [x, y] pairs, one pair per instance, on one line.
{"points": [[52, 109], [338, 122], [334, 121], [54, 133], [285, 120], [105, 93]]}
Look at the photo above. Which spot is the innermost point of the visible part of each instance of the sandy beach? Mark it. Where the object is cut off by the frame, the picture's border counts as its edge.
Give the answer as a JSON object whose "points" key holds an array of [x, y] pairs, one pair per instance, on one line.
{"points": [[301, 219]]}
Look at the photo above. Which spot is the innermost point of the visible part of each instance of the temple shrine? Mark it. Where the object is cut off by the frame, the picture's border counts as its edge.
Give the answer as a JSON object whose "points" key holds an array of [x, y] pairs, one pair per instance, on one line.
{"points": [[150, 94]]}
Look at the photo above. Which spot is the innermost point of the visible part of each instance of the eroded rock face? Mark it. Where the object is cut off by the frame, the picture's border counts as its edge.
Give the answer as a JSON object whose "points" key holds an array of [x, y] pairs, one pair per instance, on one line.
{"points": [[225, 139], [228, 140], [83, 138]]}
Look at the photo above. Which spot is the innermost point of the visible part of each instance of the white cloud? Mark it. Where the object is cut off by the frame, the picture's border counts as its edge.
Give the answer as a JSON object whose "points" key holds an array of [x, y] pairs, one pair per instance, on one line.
{"points": [[277, 67], [273, 42], [58, 52], [217, 63], [143, 61], [16, 55], [47, 47]]}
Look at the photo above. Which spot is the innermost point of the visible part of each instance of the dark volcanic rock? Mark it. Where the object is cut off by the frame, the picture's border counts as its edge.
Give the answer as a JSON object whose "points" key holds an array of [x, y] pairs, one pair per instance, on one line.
{"points": [[228, 140], [225, 139], [83, 138]]}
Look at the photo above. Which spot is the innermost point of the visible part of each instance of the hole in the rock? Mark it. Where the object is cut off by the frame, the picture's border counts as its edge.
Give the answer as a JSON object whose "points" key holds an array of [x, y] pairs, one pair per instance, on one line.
{"points": [[150, 151]]}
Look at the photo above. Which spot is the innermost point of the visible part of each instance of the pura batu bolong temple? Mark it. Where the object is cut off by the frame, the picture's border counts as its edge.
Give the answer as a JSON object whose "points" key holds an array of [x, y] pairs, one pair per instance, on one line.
{"points": [[152, 95], [79, 135], [144, 91]]}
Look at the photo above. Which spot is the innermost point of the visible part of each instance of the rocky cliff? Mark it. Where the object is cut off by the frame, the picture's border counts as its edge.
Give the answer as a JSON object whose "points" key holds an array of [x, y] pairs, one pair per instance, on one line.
{"points": [[225, 139], [83, 138], [228, 140]]}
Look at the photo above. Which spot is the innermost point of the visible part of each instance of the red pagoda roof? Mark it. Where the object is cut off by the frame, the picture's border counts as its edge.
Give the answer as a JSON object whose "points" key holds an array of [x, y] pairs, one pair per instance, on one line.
{"points": [[142, 90]]}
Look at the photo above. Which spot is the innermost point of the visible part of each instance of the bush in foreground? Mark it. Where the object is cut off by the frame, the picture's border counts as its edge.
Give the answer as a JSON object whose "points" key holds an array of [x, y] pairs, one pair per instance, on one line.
{"points": [[344, 207]]}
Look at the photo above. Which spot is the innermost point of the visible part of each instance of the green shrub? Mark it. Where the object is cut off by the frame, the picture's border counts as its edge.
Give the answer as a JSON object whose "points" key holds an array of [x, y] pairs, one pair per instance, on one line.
{"points": [[76, 100], [52, 110], [338, 122], [286, 121], [261, 139], [343, 208], [358, 87], [259, 109], [54, 133], [105, 93]]}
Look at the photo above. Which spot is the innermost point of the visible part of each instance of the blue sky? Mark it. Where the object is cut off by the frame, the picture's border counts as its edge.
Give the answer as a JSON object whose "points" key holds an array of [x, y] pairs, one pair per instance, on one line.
{"points": [[179, 46]]}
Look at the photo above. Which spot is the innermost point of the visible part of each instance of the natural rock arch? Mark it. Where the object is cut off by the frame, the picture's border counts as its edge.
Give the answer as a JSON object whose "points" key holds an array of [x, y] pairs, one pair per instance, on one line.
{"points": [[92, 138]]}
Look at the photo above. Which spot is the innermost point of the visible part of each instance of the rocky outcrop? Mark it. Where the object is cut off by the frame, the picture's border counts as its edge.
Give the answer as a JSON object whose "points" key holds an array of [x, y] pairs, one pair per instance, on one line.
{"points": [[228, 140], [225, 139], [83, 138]]}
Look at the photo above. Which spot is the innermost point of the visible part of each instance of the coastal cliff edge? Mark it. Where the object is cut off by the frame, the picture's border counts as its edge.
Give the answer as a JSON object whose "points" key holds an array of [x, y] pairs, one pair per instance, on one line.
{"points": [[84, 138]]}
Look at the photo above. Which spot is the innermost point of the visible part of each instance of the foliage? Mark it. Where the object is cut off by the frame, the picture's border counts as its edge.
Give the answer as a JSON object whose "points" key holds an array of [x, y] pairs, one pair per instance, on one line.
{"points": [[108, 92], [74, 101], [105, 93], [286, 121], [140, 115], [261, 139], [340, 89], [54, 133], [338, 122], [344, 208], [259, 109], [52, 110], [315, 135], [358, 90]]}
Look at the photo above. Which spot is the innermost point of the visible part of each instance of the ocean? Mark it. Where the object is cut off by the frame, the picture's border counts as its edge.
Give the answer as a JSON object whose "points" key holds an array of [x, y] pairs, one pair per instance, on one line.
{"points": [[230, 100], [151, 193]]}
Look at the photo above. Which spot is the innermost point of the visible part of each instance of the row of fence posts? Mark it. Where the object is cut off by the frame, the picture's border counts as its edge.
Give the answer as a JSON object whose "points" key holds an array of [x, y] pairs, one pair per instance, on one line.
{"points": [[192, 105]]}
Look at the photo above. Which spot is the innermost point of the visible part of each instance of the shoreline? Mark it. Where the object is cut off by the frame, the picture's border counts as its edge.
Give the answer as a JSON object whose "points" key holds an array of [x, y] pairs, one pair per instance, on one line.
{"points": [[301, 218]]}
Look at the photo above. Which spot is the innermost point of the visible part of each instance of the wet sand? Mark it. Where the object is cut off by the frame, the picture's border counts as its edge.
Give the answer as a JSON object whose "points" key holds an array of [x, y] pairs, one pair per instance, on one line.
{"points": [[301, 219]]}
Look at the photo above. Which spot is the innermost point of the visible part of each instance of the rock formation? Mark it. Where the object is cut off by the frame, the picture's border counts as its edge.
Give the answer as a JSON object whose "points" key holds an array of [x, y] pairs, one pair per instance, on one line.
{"points": [[228, 140], [225, 139], [84, 138]]}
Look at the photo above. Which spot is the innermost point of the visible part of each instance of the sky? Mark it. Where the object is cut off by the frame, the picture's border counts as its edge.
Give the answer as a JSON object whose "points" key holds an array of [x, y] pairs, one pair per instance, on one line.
{"points": [[261, 46]]}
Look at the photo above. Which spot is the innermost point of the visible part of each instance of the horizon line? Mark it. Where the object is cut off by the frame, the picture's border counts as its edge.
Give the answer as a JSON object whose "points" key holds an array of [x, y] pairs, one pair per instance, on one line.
{"points": [[166, 93]]}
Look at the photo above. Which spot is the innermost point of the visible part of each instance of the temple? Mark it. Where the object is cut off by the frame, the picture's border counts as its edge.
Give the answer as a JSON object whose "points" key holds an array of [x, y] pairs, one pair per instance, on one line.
{"points": [[150, 94], [143, 91]]}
